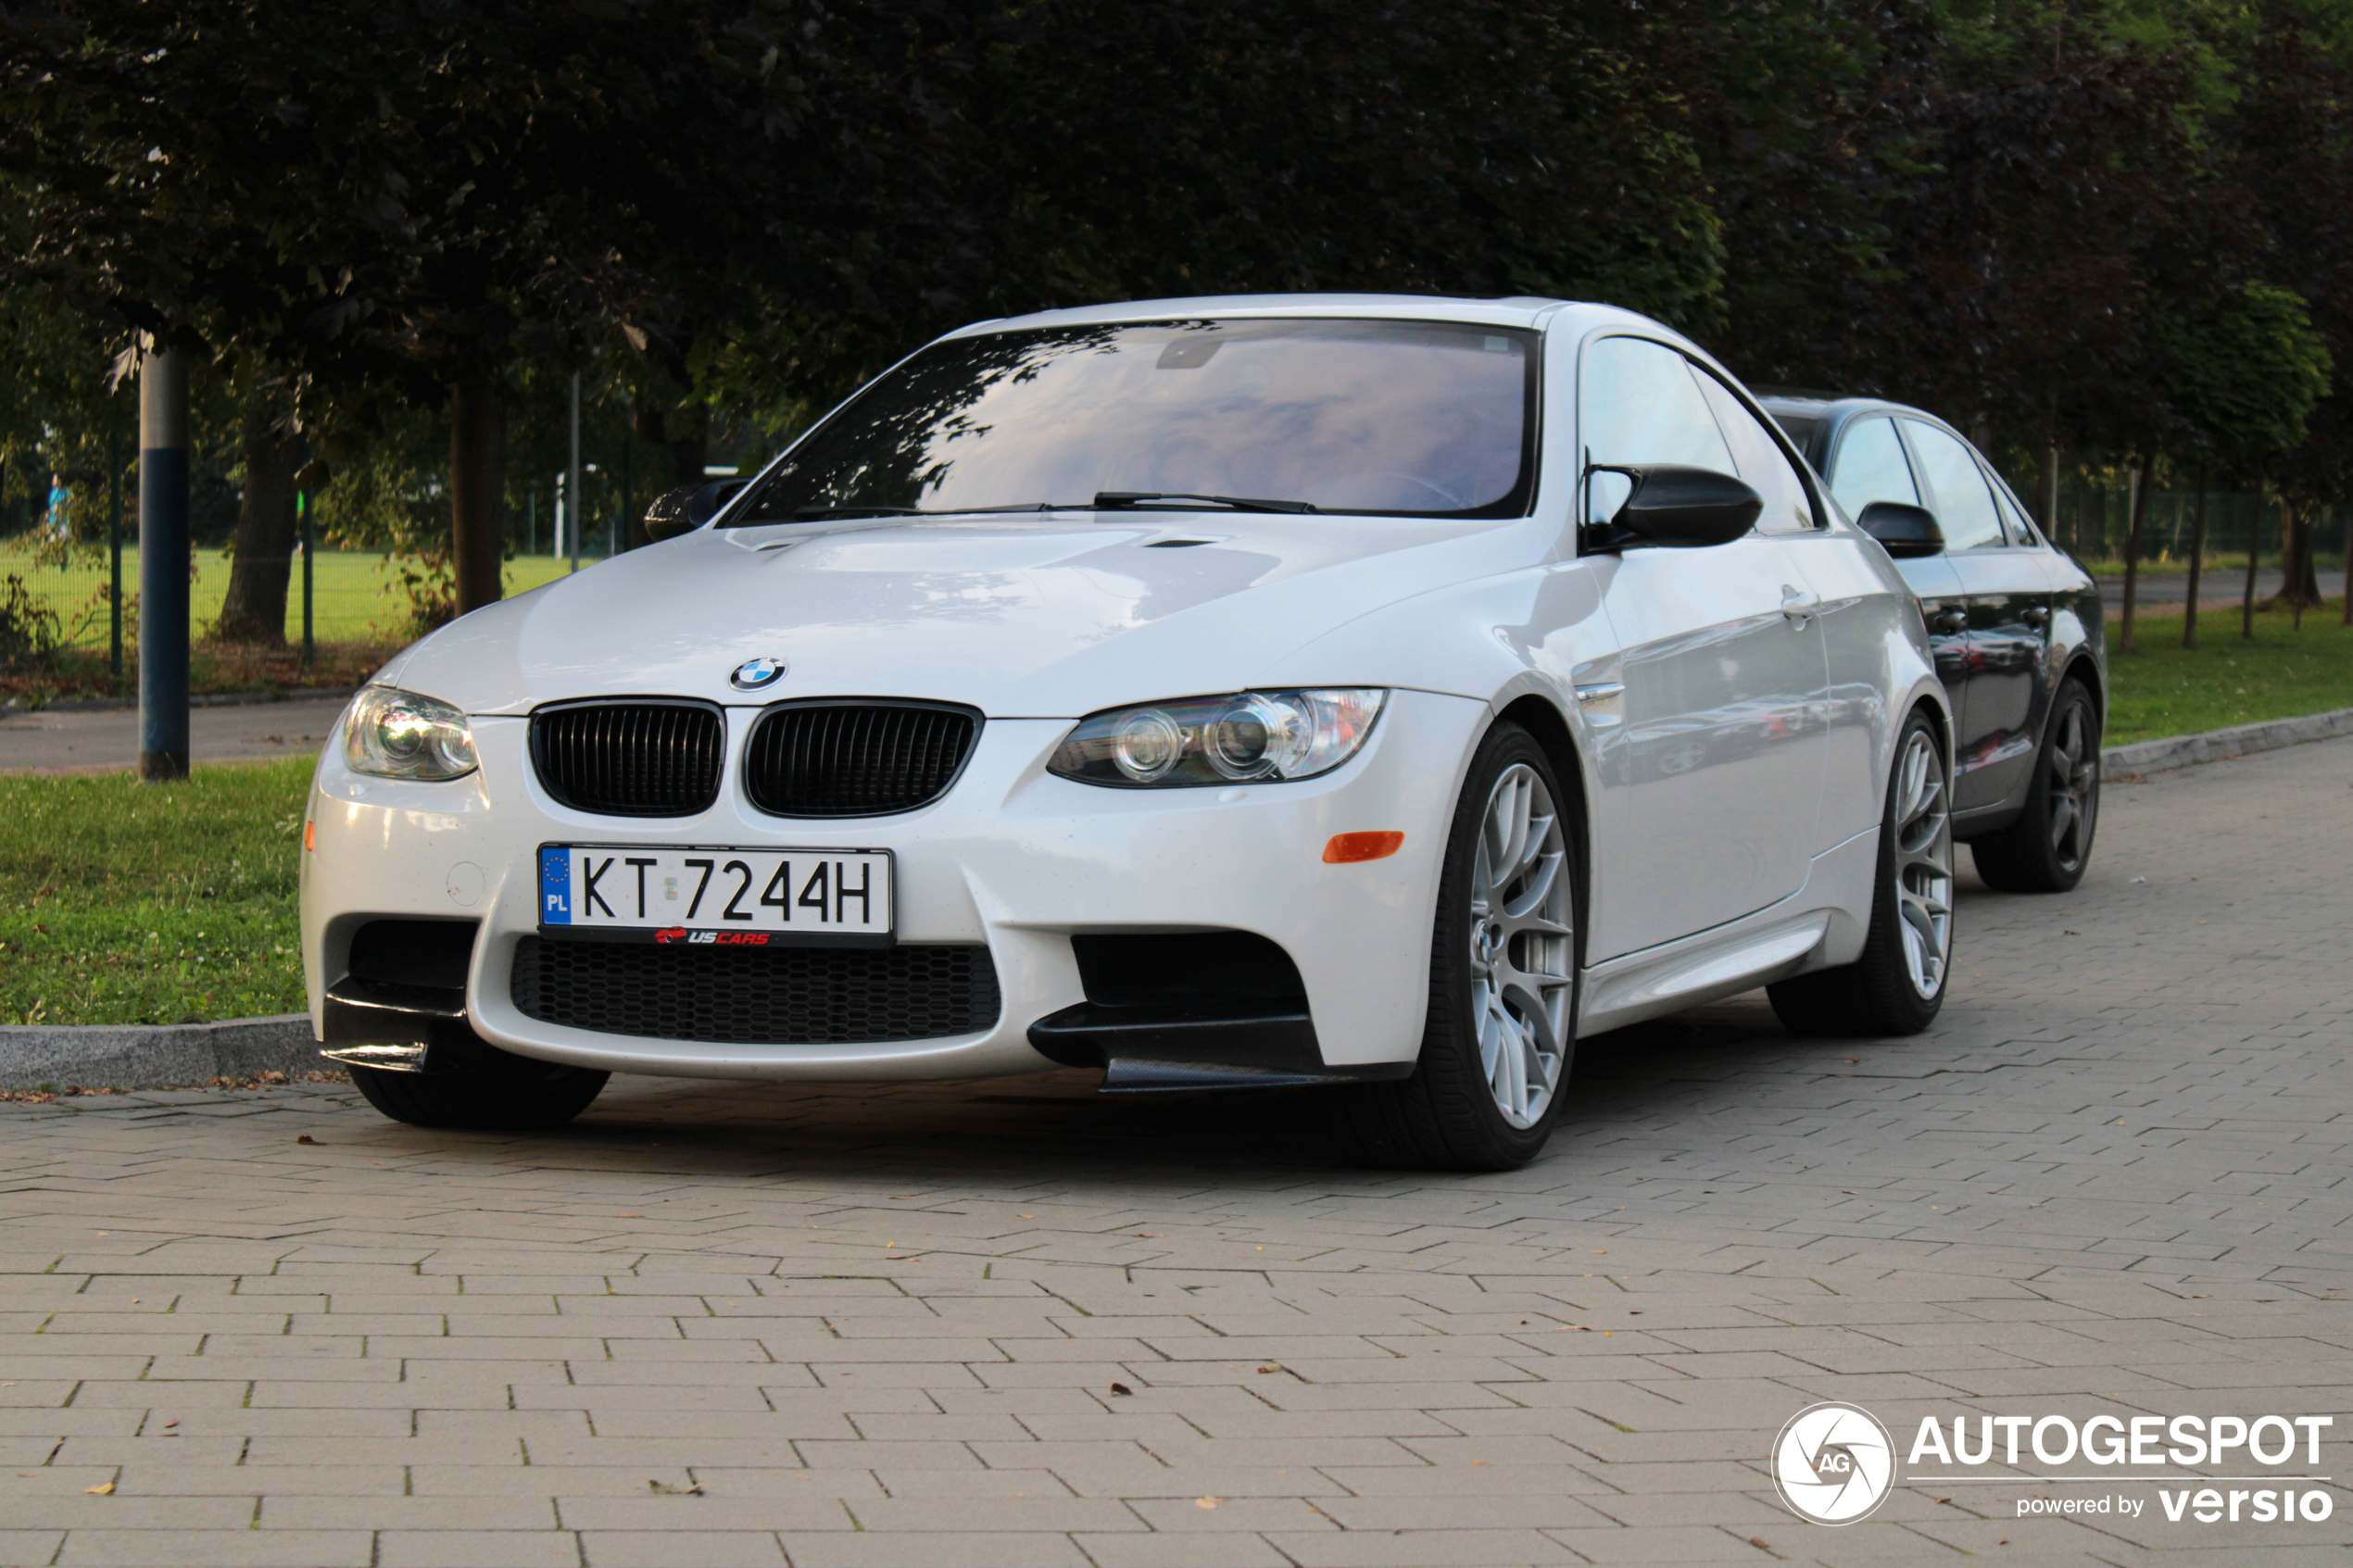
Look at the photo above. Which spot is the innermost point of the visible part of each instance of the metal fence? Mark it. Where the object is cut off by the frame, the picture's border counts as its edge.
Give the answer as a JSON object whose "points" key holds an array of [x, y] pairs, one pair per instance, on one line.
{"points": [[2095, 520], [344, 597]]}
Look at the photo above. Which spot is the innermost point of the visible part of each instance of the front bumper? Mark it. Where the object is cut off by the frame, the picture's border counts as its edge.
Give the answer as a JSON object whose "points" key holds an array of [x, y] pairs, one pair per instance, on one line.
{"points": [[1012, 857]]}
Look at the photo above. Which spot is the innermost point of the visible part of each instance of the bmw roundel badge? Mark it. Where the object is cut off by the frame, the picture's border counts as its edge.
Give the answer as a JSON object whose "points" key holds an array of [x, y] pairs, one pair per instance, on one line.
{"points": [[757, 675]]}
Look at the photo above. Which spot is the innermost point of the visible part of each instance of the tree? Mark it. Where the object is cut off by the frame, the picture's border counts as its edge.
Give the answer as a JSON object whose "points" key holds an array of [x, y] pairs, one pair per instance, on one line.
{"points": [[415, 196], [2245, 374]]}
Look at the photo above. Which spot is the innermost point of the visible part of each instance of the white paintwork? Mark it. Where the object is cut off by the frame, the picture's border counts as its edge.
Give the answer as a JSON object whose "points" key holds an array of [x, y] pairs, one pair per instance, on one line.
{"points": [[1702, 882]]}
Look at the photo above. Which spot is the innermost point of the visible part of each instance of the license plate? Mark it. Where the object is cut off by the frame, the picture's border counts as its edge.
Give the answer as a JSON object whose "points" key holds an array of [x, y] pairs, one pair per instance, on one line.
{"points": [[716, 898]]}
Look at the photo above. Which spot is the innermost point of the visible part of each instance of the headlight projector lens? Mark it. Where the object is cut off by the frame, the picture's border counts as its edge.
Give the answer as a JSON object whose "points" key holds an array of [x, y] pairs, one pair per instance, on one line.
{"points": [[1246, 737]]}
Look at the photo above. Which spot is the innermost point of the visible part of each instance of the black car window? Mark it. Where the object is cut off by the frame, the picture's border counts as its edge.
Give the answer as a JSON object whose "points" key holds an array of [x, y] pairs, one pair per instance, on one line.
{"points": [[2021, 531], [1768, 469], [1643, 404], [1871, 466], [1428, 419], [1962, 501]]}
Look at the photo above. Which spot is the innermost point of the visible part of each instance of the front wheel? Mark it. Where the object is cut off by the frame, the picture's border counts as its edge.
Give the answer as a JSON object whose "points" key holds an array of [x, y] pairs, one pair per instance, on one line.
{"points": [[506, 1092], [1500, 1033], [2047, 848], [1897, 986]]}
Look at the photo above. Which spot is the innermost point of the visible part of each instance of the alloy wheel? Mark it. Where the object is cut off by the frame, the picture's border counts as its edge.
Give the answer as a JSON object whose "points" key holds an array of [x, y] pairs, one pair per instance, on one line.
{"points": [[2073, 759], [1522, 945], [1923, 887]]}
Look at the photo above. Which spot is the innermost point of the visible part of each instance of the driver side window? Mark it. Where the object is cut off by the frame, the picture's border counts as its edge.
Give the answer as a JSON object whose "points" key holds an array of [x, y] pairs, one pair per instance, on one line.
{"points": [[1641, 403]]}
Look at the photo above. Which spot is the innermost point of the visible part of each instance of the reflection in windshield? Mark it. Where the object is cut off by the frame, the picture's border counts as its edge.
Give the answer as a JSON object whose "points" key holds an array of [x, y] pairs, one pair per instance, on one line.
{"points": [[1389, 416]]}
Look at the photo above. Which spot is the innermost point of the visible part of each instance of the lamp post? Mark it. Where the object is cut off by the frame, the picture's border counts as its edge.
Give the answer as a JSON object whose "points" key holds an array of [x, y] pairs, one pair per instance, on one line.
{"points": [[163, 564]]}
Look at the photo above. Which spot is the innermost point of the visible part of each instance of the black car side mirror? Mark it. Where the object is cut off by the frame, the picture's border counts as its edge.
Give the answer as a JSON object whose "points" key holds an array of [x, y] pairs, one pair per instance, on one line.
{"points": [[1906, 531], [688, 507], [1679, 508]]}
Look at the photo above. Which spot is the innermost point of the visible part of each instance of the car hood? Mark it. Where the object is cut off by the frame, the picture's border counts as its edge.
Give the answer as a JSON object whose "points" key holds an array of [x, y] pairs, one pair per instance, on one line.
{"points": [[1045, 617]]}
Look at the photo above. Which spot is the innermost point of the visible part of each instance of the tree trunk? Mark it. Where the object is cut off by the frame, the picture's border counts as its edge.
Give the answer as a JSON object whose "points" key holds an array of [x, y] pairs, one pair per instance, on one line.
{"points": [[2254, 555], [2049, 497], [2299, 585], [477, 480], [255, 610], [2197, 563], [2132, 551]]}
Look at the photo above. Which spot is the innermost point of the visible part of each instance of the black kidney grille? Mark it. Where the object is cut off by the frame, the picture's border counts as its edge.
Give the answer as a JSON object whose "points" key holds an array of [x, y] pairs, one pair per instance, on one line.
{"points": [[776, 996], [854, 759], [630, 759]]}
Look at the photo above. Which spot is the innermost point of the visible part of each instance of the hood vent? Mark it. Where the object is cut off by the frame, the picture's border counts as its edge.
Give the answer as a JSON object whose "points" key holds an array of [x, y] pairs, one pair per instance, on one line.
{"points": [[857, 758], [635, 757]]}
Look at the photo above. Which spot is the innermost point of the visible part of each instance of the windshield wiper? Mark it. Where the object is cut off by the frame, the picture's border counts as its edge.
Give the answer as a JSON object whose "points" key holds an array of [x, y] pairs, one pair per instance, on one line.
{"points": [[1111, 499]]}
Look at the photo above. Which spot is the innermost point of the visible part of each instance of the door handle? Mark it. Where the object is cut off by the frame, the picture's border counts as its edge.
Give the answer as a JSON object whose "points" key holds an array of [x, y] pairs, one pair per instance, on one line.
{"points": [[1945, 617], [2037, 617], [1800, 606]]}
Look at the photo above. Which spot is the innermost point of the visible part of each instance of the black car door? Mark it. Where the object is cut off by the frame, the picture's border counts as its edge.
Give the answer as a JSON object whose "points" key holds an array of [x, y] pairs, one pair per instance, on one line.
{"points": [[2007, 591]]}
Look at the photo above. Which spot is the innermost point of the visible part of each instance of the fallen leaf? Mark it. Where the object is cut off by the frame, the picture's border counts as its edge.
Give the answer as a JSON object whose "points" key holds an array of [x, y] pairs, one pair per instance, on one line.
{"points": [[1760, 1543], [666, 1489], [102, 1489], [1272, 1366], [306, 1139], [1205, 1502], [1121, 1388], [1029, 1216], [628, 1216], [172, 1423]]}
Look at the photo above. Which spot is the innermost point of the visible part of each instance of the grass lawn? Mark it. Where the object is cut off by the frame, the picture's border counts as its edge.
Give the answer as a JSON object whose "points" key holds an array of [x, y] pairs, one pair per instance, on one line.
{"points": [[349, 598], [130, 903], [2160, 690]]}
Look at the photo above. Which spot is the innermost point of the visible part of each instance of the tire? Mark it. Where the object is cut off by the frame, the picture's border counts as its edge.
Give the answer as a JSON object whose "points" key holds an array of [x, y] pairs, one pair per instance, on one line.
{"points": [[1500, 1034], [1897, 986], [2049, 846], [508, 1093]]}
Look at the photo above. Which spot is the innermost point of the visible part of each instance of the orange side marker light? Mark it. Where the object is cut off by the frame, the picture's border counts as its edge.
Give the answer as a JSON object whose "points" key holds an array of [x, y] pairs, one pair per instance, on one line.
{"points": [[1345, 848], [310, 836]]}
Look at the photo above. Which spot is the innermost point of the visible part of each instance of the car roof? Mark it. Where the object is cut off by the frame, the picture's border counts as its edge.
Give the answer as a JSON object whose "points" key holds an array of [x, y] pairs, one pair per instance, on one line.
{"points": [[1520, 311]]}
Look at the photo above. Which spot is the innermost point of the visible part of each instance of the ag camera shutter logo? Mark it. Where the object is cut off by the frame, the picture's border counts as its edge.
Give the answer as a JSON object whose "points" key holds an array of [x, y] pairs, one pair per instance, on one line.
{"points": [[1833, 1464]]}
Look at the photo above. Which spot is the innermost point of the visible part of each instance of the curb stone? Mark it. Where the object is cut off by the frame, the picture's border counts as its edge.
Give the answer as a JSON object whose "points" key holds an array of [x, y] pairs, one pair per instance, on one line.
{"points": [[131, 1056], [139, 1056], [2182, 751]]}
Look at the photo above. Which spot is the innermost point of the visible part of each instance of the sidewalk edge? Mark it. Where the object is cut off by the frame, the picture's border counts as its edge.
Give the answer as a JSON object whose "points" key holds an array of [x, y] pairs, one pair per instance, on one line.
{"points": [[2214, 746], [140, 1056]]}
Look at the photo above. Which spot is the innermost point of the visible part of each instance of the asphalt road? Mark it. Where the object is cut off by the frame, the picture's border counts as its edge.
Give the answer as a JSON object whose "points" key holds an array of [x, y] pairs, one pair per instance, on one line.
{"points": [[1013, 1323], [44, 742]]}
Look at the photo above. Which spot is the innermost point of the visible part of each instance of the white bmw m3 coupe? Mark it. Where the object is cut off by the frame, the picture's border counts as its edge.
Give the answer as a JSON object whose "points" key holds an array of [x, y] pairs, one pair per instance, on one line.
{"points": [[1374, 692]]}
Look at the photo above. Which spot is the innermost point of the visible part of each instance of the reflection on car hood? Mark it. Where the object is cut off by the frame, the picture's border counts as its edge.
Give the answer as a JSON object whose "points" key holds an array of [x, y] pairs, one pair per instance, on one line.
{"points": [[1047, 617]]}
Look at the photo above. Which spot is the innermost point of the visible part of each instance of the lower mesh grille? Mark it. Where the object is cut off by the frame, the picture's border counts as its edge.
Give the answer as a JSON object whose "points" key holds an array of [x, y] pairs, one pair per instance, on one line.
{"points": [[777, 995]]}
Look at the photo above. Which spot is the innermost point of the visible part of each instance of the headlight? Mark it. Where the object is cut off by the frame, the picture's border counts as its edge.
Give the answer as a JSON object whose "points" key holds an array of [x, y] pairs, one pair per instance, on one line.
{"points": [[397, 734], [1245, 738]]}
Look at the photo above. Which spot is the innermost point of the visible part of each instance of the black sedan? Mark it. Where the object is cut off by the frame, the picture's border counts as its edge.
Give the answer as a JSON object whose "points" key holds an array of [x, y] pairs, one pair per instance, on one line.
{"points": [[2016, 623]]}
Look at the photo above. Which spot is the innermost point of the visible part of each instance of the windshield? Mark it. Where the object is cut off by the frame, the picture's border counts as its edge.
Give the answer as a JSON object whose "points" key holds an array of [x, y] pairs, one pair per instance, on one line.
{"points": [[1385, 417]]}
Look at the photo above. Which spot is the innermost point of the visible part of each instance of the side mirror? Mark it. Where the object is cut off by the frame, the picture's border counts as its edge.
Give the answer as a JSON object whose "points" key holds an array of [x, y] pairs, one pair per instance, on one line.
{"points": [[688, 507], [1680, 509], [1906, 531]]}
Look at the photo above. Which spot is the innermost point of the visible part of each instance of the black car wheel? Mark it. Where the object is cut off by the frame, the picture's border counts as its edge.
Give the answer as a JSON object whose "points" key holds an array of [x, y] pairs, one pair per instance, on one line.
{"points": [[1897, 985], [506, 1092], [1501, 1030], [2047, 849]]}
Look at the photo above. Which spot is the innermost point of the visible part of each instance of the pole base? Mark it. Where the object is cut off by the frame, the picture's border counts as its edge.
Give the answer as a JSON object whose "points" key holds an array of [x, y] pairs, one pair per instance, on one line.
{"points": [[162, 767]]}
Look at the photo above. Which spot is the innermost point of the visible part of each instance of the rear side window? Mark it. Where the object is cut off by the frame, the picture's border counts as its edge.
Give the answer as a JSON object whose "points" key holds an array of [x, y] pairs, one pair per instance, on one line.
{"points": [[2021, 531], [1872, 467], [1762, 462], [1963, 503], [1643, 404]]}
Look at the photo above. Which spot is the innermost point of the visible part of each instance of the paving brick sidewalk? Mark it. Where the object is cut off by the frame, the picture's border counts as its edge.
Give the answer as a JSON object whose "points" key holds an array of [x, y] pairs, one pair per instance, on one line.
{"points": [[1011, 1323]]}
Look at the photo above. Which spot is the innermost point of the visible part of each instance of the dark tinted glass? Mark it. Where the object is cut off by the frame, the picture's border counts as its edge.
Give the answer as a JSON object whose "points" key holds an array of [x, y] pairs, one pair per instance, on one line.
{"points": [[1387, 416]]}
